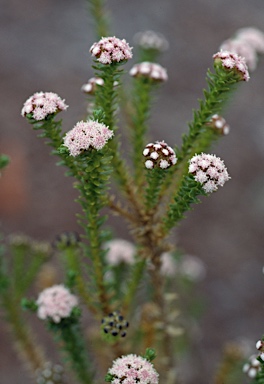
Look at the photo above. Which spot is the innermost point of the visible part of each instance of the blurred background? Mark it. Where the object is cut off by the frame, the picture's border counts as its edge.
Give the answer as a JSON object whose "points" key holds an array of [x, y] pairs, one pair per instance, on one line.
{"points": [[44, 46]]}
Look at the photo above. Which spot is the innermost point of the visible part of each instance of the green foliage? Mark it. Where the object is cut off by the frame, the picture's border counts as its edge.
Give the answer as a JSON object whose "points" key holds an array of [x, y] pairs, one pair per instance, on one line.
{"points": [[100, 17], [155, 178], [4, 161], [150, 354], [187, 195]]}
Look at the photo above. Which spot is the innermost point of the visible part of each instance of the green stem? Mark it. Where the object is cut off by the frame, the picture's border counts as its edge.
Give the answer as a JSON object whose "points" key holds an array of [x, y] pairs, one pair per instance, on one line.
{"points": [[136, 276], [155, 178], [100, 18]]}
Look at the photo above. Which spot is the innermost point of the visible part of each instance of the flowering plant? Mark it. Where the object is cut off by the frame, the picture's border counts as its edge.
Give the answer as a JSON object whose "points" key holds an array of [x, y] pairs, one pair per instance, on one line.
{"points": [[131, 291]]}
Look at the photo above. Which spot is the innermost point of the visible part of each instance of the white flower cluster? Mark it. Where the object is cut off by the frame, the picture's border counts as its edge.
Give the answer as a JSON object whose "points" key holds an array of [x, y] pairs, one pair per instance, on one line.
{"points": [[86, 134], [42, 104], [209, 171], [149, 70], [151, 40], [231, 61], [132, 369], [110, 50], [91, 85], [56, 303]]}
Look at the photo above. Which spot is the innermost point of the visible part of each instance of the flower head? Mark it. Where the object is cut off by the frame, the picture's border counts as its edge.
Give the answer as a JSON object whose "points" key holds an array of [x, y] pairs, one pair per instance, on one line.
{"points": [[42, 104], [242, 48], [218, 123], [253, 37], [110, 50], [56, 303], [115, 324], [209, 171], [50, 374], [159, 155], [149, 70], [86, 134], [91, 85], [132, 369], [232, 62], [119, 251], [252, 367], [151, 40]]}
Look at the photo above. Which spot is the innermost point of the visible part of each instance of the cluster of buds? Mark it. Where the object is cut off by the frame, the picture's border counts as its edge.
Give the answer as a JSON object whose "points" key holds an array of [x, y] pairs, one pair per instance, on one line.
{"points": [[149, 70], [56, 303], [42, 104], [219, 124], [208, 170], [232, 62], [159, 155], [115, 324], [50, 374], [151, 40], [248, 43], [110, 50], [132, 369], [85, 135], [66, 239], [252, 367], [90, 87]]}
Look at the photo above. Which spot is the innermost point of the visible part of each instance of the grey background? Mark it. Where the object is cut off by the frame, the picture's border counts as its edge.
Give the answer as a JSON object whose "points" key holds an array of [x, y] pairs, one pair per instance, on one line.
{"points": [[44, 45]]}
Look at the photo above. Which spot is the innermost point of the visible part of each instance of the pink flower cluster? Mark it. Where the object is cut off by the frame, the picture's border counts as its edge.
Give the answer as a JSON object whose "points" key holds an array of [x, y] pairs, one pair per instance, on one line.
{"points": [[119, 251], [248, 43], [150, 70], [159, 155], [132, 369], [209, 171], [56, 303], [86, 134], [111, 50], [232, 62], [42, 104]]}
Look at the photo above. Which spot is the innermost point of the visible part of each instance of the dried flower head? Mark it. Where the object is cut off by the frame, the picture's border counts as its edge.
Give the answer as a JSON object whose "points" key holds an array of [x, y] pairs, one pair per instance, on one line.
{"points": [[50, 374], [120, 251], [42, 104], [86, 134], [219, 124], [132, 369], [151, 40], [209, 171], [253, 37], [110, 50], [149, 70], [91, 85], [242, 48], [56, 303], [252, 367], [232, 62], [115, 324], [159, 155]]}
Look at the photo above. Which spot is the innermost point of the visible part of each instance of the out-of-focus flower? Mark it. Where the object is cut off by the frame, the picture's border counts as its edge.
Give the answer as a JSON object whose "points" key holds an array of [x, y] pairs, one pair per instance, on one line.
{"points": [[86, 134], [149, 70], [151, 40], [110, 50], [253, 37], [91, 85], [115, 324], [42, 104], [132, 369], [252, 367], [208, 170], [50, 374], [56, 303], [232, 62], [159, 155], [168, 264], [191, 267], [219, 124], [120, 251]]}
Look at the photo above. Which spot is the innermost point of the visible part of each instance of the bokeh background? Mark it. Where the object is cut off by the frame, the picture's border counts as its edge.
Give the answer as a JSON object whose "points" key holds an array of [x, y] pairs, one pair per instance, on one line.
{"points": [[44, 46]]}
